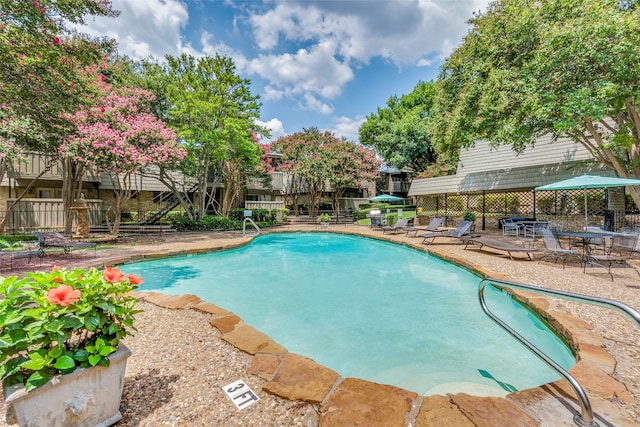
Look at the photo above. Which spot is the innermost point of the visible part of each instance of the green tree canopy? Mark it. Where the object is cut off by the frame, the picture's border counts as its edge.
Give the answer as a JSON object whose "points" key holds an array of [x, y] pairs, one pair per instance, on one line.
{"points": [[42, 62], [400, 132], [213, 111], [568, 68]]}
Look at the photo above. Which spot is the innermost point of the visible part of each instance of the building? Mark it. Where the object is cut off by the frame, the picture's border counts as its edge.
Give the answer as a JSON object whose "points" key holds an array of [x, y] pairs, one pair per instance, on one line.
{"points": [[496, 181]]}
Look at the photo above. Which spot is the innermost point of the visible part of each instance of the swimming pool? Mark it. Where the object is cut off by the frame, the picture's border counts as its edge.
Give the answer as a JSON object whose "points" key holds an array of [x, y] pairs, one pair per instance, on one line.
{"points": [[369, 309]]}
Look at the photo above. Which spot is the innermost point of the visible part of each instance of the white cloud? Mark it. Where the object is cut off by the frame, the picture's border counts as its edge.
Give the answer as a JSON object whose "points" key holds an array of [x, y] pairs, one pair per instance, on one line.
{"points": [[401, 31], [333, 37], [144, 28], [275, 126], [313, 103], [314, 71], [348, 127]]}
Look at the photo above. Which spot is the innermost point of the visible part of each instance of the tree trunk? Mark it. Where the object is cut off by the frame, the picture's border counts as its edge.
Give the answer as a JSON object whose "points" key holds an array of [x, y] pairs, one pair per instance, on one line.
{"points": [[182, 196], [72, 172]]}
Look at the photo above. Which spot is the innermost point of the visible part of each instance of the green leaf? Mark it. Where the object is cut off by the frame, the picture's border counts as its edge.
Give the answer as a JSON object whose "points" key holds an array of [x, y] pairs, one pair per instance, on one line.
{"points": [[92, 322], [36, 380], [100, 343], [65, 363], [94, 359], [55, 352], [81, 355], [33, 365], [107, 350]]}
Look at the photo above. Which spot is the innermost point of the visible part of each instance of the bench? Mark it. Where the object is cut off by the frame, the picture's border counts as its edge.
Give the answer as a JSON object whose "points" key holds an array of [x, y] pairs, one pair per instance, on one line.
{"points": [[499, 245]]}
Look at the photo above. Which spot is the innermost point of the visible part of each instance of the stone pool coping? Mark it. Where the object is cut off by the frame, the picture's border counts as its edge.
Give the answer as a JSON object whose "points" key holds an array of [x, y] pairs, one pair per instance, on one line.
{"points": [[354, 401]]}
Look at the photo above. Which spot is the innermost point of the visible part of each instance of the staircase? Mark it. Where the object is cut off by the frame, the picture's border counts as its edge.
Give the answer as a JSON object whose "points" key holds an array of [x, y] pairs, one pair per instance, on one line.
{"points": [[164, 206]]}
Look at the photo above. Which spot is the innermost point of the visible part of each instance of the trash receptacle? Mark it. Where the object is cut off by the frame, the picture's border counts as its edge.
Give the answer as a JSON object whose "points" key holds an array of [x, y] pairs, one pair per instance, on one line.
{"points": [[609, 220]]}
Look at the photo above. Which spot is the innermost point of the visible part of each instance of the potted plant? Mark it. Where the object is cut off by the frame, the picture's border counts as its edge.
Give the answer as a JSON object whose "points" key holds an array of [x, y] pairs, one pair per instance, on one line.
{"points": [[61, 333], [469, 216], [324, 220]]}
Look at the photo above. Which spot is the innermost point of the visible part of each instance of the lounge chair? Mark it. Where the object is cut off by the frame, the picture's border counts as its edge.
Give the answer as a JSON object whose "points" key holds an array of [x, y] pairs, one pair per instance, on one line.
{"points": [[11, 255], [400, 225], [53, 239], [433, 226], [554, 248], [500, 245], [607, 262], [460, 231]]}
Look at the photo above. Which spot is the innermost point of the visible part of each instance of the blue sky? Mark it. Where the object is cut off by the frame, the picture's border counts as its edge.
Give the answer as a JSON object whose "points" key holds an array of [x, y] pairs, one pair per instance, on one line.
{"points": [[323, 63]]}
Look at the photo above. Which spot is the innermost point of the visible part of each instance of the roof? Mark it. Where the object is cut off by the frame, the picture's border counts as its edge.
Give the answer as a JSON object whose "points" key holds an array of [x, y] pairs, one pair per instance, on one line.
{"points": [[499, 168]]}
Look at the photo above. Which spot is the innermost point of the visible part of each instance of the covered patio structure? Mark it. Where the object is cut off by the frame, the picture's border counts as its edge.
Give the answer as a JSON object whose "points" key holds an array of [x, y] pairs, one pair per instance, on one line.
{"points": [[496, 182]]}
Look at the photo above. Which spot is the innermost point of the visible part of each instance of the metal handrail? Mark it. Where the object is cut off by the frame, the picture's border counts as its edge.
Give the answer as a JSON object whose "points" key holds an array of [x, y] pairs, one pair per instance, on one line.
{"points": [[585, 419], [244, 224]]}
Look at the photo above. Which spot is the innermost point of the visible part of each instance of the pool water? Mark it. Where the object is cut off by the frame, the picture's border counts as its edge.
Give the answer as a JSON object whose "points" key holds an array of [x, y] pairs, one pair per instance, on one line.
{"points": [[369, 309]]}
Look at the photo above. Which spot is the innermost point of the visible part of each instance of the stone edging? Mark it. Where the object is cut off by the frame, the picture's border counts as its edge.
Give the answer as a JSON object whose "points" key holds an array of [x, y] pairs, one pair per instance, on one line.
{"points": [[296, 377]]}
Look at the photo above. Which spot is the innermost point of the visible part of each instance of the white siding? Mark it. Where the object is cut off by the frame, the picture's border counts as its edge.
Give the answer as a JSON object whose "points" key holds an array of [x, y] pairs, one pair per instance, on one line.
{"points": [[486, 168]]}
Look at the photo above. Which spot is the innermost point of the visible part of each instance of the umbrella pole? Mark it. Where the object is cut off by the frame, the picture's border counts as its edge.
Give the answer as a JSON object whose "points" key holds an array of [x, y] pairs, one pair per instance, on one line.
{"points": [[586, 215]]}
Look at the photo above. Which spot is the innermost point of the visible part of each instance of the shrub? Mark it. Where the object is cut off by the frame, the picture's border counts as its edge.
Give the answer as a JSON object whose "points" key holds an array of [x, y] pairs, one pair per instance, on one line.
{"points": [[54, 322]]}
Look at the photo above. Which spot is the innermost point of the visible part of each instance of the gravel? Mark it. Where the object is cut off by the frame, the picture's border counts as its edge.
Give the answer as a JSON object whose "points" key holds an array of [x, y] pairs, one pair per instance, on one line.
{"points": [[179, 363]]}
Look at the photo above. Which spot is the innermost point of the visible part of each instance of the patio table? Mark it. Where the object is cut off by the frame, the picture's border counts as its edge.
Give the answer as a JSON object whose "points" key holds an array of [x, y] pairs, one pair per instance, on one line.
{"points": [[587, 238]]}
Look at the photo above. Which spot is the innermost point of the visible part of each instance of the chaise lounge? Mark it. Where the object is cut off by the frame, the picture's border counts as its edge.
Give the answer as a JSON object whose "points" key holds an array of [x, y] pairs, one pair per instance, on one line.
{"points": [[400, 225], [53, 239], [433, 226], [499, 245], [460, 231]]}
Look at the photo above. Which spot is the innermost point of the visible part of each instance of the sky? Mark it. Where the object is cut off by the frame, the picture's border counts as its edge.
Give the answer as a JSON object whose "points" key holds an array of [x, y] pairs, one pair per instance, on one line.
{"points": [[314, 63]]}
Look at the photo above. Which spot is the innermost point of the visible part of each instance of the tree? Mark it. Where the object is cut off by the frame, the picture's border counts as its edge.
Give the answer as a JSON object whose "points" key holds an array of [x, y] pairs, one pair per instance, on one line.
{"points": [[312, 159], [119, 137], [303, 161], [400, 132], [568, 68], [41, 78], [214, 112], [349, 165]]}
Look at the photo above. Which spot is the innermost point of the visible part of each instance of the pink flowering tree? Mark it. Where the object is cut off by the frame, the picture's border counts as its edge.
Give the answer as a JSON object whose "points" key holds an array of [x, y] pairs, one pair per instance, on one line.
{"points": [[350, 165], [41, 79], [305, 165], [120, 137]]}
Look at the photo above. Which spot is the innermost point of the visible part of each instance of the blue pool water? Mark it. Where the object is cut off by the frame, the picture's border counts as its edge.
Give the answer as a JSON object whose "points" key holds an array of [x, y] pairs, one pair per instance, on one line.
{"points": [[368, 309]]}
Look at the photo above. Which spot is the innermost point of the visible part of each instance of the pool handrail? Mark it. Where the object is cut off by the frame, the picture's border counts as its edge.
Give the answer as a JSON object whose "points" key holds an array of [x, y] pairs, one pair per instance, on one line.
{"points": [[244, 225], [585, 419]]}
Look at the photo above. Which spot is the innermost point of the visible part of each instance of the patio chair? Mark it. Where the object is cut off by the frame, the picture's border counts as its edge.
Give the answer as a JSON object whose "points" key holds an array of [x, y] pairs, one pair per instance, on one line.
{"points": [[400, 225], [460, 231], [607, 262], [554, 248], [433, 226], [624, 243], [510, 227], [53, 239], [535, 229]]}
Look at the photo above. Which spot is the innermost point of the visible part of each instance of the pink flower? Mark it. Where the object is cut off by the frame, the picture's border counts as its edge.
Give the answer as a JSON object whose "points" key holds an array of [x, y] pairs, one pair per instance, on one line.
{"points": [[113, 275], [135, 280], [63, 295], [56, 40]]}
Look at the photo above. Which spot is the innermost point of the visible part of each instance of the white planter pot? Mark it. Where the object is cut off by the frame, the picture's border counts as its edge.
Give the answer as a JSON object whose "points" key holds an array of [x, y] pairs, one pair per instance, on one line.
{"points": [[85, 398]]}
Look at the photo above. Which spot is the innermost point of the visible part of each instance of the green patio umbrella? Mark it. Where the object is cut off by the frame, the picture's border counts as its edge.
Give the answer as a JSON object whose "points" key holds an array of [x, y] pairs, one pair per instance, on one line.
{"points": [[588, 181], [386, 198]]}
